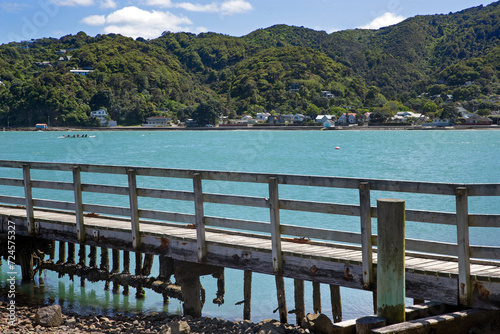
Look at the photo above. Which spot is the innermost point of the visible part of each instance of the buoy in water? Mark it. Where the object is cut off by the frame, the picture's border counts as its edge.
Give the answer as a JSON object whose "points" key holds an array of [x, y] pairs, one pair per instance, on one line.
{"points": [[337, 148]]}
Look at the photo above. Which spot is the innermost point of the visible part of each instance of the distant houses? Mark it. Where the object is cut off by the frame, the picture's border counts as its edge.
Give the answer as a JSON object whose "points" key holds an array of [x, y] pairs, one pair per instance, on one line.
{"points": [[347, 118], [157, 121], [103, 117], [81, 72]]}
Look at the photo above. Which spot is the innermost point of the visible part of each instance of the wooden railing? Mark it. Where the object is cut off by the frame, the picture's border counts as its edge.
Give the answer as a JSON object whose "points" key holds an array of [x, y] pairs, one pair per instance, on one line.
{"points": [[460, 251]]}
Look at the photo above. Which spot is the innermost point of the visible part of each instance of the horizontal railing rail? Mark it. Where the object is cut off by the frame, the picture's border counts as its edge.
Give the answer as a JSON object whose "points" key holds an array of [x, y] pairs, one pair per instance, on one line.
{"points": [[366, 241]]}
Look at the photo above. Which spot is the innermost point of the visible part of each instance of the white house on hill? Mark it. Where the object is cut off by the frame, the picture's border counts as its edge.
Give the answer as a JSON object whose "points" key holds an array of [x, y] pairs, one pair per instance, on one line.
{"points": [[103, 117]]}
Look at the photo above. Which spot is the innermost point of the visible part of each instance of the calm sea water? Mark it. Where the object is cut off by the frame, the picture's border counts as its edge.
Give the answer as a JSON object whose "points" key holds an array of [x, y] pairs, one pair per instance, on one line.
{"points": [[437, 156]]}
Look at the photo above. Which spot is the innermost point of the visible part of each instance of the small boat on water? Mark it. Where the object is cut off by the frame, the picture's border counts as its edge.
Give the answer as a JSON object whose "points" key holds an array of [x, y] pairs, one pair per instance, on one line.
{"points": [[76, 136]]}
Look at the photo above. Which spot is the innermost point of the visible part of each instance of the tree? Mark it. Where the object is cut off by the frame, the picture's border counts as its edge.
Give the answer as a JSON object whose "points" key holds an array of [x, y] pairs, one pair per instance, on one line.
{"points": [[206, 113], [430, 107]]}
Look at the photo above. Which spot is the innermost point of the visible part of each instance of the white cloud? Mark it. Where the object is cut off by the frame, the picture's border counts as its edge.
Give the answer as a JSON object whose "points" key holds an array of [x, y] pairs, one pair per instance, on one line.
{"points": [[194, 7], [12, 7], [384, 20], [235, 7], [227, 7], [159, 3], [73, 3], [135, 22], [108, 4], [94, 20]]}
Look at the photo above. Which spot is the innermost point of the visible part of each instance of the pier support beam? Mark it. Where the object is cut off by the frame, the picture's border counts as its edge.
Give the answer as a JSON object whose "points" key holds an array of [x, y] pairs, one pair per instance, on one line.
{"points": [[336, 303], [300, 312], [391, 260], [247, 294], [316, 297], [187, 275]]}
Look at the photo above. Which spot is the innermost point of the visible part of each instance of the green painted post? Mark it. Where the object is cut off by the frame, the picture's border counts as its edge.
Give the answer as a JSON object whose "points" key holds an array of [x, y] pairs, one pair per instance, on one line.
{"points": [[391, 260]]}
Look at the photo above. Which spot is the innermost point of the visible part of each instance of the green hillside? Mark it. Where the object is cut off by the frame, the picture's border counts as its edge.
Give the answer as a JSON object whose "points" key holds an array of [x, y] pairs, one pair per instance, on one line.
{"points": [[281, 67]]}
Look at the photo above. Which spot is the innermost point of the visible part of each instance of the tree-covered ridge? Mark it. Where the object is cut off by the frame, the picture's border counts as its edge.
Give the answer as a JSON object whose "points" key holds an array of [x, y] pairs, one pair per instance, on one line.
{"points": [[267, 78], [419, 63]]}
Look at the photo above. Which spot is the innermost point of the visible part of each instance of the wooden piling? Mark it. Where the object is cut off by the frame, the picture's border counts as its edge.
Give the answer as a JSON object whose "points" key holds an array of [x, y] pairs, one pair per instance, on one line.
{"points": [[316, 297], [93, 257], [62, 252], [139, 294], [52, 251], [300, 312], [247, 294], [115, 253], [126, 270], [105, 264], [166, 268], [25, 258], [336, 303], [147, 265], [82, 260], [391, 260], [71, 253], [280, 293]]}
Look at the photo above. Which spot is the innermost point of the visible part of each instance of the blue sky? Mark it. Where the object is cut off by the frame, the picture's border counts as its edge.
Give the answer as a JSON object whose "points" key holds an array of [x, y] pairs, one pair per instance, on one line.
{"points": [[23, 20]]}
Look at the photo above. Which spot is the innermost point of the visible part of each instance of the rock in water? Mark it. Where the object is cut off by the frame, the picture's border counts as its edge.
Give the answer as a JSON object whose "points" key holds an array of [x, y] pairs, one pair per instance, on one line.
{"points": [[49, 316], [318, 323]]}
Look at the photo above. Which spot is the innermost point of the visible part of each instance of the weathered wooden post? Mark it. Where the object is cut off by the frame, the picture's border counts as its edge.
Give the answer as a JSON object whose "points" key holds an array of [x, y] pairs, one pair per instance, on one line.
{"points": [[336, 303], [134, 209], [105, 264], [28, 196], [316, 297], [77, 186], [366, 234], [62, 252], [71, 257], [247, 294], [82, 261], [277, 255], [139, 294], [93, 257], [126, 270], [300, 308], [147, 264], [71, 253], [391, 260], [464, 283], [199, 216], [115, 254]]}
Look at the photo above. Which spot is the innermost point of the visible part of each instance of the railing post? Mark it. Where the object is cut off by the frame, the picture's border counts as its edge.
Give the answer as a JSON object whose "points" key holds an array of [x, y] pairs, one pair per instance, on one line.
{"points": [[366, 234], [464, 284], [77, 186], [199, 217], [28, 199], [134, 209], [275, 226], [391, 260], [277, 255]]}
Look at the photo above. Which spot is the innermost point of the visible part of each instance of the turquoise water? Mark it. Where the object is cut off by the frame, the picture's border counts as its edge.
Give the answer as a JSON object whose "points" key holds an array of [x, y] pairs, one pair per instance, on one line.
{"points": [[437, 156]]}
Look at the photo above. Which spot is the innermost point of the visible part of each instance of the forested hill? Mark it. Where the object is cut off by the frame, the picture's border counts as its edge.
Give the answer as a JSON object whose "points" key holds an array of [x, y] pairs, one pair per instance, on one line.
{"points": [[282, 68]]}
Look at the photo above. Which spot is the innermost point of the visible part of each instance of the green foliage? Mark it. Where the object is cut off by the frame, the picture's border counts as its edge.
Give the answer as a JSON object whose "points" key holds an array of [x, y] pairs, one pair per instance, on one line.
{"points": [[281, 68]]}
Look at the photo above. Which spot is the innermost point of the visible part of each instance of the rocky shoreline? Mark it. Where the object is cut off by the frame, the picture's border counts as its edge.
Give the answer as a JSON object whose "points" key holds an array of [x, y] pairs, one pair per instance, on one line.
{"points": [[27, 321]]}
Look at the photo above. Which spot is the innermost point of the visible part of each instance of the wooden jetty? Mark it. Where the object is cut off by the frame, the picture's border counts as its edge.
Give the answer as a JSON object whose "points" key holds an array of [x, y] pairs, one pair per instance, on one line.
{"points": [[190, 245]]}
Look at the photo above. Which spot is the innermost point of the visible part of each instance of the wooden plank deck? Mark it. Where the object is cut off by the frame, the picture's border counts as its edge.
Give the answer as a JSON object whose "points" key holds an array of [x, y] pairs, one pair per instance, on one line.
{"points": [[428, 277]]}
